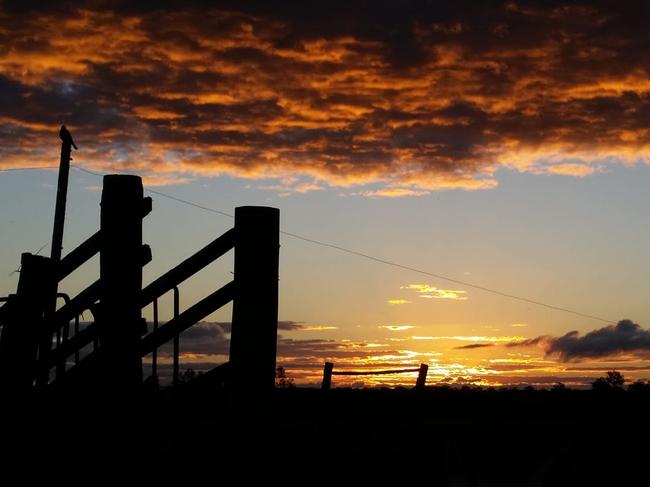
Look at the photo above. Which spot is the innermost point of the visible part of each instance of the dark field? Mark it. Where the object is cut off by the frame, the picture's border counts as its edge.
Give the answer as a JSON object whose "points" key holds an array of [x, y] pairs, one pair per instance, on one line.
{"points": [[298, 436]]}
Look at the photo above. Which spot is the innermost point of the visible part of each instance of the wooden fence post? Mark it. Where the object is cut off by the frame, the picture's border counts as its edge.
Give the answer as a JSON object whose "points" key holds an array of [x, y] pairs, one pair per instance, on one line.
{"points": [[255, 304], [327, 376], [120, 261], [422, 376], [23, 328]]}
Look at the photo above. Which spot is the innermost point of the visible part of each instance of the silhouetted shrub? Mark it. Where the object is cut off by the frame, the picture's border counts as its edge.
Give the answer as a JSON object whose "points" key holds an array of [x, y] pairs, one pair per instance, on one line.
{"points": [[639, 386], [188, 375], [614, 380], [281, 379]]}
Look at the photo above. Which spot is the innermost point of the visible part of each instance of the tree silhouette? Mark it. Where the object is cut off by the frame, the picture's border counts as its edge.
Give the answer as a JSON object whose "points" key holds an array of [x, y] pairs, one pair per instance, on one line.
{"points": [[558, 386], [188, 375], [281, 379], [639, 386], [614, 380]]}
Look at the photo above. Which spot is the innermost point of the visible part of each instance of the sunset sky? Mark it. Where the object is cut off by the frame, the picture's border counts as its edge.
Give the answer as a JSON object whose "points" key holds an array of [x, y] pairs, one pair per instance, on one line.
{"points": [[500, 144]]}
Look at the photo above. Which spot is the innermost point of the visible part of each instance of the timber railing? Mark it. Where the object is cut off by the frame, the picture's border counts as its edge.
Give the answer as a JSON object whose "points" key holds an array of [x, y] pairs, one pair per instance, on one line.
{"points": [[328, 372], [181, 321], [34, 338], [123, 208], [253, 292], [40, 340]]}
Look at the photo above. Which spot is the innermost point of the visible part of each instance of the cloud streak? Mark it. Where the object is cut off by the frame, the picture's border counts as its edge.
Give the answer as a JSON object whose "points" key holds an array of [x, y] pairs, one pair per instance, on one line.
{"points": [[473, 346], [408, 97], [432, 292], [397, 327]]}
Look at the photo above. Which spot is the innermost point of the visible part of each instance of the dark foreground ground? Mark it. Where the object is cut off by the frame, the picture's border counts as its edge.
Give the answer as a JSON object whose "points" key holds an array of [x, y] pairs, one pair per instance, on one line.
{"points": [[339, 437]]}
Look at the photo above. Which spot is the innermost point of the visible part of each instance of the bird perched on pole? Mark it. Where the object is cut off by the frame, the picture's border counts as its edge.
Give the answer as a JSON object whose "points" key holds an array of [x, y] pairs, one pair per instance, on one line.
{"points": [[66, 136]]}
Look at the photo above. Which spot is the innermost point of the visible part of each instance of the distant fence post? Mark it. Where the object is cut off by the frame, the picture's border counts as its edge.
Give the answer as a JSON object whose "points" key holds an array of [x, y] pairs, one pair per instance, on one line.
{"points": [[255, 304], [327, 376], [121, 282], [23, 328], [422, 376]]}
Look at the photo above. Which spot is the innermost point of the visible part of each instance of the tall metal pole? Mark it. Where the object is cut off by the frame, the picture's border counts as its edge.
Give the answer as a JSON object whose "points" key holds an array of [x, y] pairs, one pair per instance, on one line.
{"points": [[45, 345], [61, 194]]}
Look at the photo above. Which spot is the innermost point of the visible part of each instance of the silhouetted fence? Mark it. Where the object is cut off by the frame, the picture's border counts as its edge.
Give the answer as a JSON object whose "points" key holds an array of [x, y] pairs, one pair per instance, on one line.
{"points": [[328, 372], [35, 341]]}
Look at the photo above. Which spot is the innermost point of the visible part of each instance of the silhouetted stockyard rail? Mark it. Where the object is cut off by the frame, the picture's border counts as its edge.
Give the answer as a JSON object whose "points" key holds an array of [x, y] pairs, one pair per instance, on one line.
{"points": [[374, 372], [36, 341], [328, 372]]}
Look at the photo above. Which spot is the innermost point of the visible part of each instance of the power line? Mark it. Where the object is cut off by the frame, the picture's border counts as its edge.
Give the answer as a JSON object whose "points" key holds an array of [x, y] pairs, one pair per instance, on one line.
{"points": [[212, 210], [160, 193], [382, 261], [83, 169], [391, 263], [449, 279]]}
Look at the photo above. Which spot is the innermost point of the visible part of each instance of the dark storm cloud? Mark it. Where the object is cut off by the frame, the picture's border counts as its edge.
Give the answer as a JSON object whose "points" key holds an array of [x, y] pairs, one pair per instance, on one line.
{"points": [[412, 95], [610, 341]]}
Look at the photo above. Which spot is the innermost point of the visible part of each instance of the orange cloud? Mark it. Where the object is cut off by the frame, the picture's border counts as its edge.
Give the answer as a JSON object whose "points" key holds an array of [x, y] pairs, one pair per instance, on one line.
{"points": [[432, 292], [397, 327], [318, 328], [471, 338], [394, 192], [409, 102]]}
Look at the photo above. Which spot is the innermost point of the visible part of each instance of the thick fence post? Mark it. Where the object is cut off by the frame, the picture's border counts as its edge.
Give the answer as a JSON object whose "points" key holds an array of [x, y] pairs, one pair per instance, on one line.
{"points": [[327, 376], [23, 328], [120, 262], [422, 376], [255, 304]]}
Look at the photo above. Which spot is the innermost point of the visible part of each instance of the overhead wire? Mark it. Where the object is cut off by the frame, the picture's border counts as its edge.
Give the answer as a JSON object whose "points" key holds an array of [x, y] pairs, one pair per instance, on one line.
{"points": [[377, 259]]}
